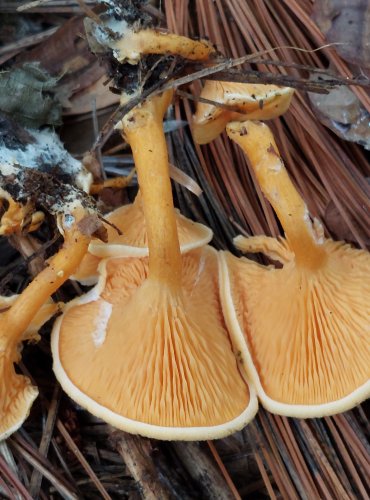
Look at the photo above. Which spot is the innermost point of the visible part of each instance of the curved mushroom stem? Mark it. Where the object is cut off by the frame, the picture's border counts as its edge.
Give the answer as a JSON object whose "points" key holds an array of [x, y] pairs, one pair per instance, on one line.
{"points": [[16, 320], [116, 183], [17, 217], [143, 129], [257, 141], [148, 41]]}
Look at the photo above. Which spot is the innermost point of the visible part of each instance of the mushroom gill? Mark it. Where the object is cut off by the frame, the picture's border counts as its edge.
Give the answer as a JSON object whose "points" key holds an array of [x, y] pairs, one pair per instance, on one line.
{"points": [[244, 100], [26, 312], [306, 324], [146, 357]]}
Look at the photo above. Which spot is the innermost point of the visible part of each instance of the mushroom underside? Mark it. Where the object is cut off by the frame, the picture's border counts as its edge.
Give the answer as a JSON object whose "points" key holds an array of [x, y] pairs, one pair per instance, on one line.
{"points": [[146, 355], [16, 395], [308, 343]]}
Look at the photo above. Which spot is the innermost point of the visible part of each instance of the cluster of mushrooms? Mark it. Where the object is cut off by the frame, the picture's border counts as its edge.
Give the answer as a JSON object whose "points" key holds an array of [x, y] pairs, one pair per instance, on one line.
{"points": [[176, 340]]}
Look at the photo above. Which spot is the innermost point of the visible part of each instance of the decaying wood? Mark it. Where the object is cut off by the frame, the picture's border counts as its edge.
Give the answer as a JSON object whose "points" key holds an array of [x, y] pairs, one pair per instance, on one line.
{"points": [[136, 453], [203, 470]]}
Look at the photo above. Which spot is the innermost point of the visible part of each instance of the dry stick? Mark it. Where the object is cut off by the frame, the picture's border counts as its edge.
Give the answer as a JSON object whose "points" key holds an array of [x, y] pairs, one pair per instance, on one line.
{"points": [[310, 459], [27, 41], [278, 452], [5, 490], [63, 463], [13, 479], [363, 421], [75, 450], [291, 461], [220, 68], [136, 453], [355, 427], [289, 439], [26, 443], [264, 475], [274, 465], [320, 456], [222, 467], [64, 492], [203, 470], [356, 448], [36, 478], [326, 440], [347, 458], [14, 468]]}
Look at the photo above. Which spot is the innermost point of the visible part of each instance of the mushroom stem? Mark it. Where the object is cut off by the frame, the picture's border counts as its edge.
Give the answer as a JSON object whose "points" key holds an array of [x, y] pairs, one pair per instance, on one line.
{"points": [[16, 319], [257, 142], [116, 183], [143, 129]]}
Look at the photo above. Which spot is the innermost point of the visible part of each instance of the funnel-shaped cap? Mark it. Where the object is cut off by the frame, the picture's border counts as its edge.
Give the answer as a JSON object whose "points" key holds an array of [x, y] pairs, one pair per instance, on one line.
{"points": [[150, 361]]}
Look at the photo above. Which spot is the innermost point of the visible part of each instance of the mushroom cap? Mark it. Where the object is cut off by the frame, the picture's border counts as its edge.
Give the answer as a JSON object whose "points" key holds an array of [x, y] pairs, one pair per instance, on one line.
{"points": [[152, 361], [307, 331], [16, 391], [133, 241], [17, 395], [247, 101]]}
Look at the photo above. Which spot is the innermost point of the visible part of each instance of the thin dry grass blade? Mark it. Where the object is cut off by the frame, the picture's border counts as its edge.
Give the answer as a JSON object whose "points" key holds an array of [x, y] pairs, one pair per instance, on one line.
{"points": [[36, 478], [59, 486], [75, 450], [224, 472]]}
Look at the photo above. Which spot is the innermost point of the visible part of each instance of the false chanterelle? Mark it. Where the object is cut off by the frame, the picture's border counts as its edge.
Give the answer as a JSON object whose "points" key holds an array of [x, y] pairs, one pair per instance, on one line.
{"points": [[306, 323], [230, 101], [152, 355]]}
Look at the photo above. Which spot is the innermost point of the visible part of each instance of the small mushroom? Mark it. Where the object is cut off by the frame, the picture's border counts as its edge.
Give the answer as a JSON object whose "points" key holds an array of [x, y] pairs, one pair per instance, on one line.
{"points": [[17, 217], [134, 44], [133, 240], [243, 100], [306, 324], [152, 355], [20, 321]]}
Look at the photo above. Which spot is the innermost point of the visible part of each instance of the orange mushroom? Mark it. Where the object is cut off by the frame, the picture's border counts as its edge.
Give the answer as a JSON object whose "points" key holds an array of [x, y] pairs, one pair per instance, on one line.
{"points": [[152, 355], [19, 322], [18, 217], [245, 101], [133, 240], [306, 324], [134, 44]]}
